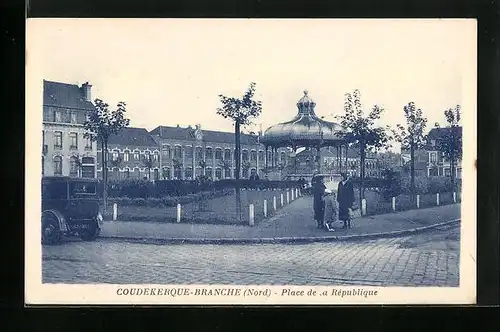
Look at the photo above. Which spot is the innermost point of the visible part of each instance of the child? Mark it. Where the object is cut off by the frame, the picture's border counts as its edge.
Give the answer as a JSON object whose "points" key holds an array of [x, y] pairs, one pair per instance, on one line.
{"points": [[331, 210]]}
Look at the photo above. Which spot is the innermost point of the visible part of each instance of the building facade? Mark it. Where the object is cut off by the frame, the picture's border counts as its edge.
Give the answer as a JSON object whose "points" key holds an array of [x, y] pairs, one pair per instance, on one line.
{"points": [[65, 152], [186, 153], [430, 161], [132, 154]]}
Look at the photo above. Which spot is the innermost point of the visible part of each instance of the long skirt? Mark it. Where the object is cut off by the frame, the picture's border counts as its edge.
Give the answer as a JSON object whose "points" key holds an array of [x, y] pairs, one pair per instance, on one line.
{"points": [[344, 213]]}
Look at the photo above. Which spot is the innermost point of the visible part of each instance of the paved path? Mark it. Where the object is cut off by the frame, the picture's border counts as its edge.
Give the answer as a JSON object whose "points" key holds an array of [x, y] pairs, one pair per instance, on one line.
{"points": [[419, 260], [293, 220]]}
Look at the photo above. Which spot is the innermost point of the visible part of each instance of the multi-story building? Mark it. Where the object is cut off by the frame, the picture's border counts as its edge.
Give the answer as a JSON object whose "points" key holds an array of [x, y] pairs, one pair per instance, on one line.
{"points": [[430, 161], [375, 163], [132, 153], [65, 151], [190, 152]]}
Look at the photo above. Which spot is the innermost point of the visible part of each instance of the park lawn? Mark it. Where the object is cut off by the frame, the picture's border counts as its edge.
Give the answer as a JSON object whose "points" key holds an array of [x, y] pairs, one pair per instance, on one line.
{"points": [[221, 210], [376, 204]]}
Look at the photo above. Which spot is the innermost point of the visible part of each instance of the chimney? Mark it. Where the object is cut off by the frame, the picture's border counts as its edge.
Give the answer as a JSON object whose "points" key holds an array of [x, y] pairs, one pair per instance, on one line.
{"points": [[86, 87]]}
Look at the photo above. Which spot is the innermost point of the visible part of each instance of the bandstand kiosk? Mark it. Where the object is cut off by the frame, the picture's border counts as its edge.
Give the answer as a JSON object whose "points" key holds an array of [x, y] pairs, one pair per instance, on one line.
{"points": [[305, 130]]}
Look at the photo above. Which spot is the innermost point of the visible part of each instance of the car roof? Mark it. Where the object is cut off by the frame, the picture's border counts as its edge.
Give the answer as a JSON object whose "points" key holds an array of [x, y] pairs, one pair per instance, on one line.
{"points": [[67, 179]]}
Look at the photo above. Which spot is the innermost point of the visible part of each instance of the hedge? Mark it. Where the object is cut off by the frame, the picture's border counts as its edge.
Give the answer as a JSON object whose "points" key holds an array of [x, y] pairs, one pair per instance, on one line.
{"points": [[177, 188]]}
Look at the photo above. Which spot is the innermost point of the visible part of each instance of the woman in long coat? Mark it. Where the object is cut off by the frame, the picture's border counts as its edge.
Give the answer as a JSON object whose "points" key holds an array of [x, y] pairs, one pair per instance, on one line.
{"points": [[345, 198], [318, 203]]}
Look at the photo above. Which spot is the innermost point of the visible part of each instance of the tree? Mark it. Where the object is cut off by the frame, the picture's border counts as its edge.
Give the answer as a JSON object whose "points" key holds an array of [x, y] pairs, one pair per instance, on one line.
{"points": [[450, 142], [148, 163], [100, 125], [361, 131], [203, 165], [412, 135], [241, 111]]}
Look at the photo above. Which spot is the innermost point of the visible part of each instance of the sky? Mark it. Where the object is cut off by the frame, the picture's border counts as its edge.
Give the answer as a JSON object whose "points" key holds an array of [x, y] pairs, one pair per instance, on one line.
{"points": [[171, 71]]}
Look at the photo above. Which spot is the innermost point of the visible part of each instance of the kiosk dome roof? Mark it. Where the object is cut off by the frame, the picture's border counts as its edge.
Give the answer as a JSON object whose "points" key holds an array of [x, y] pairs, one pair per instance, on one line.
{"points": [[305, 129]]}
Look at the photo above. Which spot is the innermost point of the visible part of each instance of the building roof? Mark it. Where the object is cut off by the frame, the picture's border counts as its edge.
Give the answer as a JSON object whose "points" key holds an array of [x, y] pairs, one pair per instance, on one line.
{"points": [[133, 137], [305, 129], [64, 95], [437, 133], [187, 134]]}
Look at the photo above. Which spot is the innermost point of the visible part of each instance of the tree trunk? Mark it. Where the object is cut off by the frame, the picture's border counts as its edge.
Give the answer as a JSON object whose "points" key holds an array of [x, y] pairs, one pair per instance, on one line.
{"points": [[104, 156], [452, 171], [237, 134], [412, 168], [362, 173]]}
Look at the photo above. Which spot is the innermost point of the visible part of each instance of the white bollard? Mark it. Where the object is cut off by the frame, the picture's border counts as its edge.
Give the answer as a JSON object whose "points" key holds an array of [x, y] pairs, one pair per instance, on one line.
{"points": [[291, 194], [363, 207], [179, 212], [394, 204], [251, 220], [418, 201], [115, 211], [287, 197], [437, 199], [274, 203], [281, 199], [454, 197], [265, 209]]}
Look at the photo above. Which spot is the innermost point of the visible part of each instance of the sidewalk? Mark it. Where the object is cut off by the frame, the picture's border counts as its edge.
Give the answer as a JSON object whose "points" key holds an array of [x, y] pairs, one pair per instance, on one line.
{"points": [[294, 222]]}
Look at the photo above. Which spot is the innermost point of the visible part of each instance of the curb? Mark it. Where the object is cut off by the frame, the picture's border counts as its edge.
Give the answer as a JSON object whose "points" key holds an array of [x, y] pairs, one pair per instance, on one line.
{"points": [[283, 240]]}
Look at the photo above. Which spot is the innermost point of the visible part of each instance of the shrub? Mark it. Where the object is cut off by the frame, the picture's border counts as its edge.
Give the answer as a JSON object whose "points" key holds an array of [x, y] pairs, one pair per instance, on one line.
{"points": [[392, 184]]}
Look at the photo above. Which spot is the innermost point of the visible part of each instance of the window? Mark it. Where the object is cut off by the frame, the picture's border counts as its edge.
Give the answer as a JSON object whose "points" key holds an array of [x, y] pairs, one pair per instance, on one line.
{"points": [[227, 154], [166, 173], [189, 151], [88, 143], [253, 155], [156, 174], [73, 117], [155, 156], [57, 165], [282, 156], [433, 171], [218, 173], [116, 173], [137, 173], [58, 140], [137, 155], [261, 155], [199, 153], [447, 172], [218, 154], [208, 172], [178, 152], [126, 155], [74, 165], [73, 138], [227, 173], [208, 153], [177, 173], [245, 173], [57, 116], [188, 173], [166, 151], [432, 157], [126, 173], [244, 155]]}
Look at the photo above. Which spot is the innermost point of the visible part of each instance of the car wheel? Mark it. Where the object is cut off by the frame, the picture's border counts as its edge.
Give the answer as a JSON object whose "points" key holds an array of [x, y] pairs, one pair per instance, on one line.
{"points": [[91, 234], [51, 234]]}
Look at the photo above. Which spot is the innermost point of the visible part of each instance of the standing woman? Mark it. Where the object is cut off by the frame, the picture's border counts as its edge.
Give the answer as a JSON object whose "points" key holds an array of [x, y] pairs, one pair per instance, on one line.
{"points": [[318, 204], [345, 198]]}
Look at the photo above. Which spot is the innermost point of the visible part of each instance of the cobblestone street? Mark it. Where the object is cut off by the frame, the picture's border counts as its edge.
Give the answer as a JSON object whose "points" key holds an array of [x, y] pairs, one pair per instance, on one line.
{"points": [[429, 259]]}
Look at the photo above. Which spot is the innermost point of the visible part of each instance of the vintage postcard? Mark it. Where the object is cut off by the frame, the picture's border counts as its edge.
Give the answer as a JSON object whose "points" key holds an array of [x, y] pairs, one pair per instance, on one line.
{"points": [[250, 161]]}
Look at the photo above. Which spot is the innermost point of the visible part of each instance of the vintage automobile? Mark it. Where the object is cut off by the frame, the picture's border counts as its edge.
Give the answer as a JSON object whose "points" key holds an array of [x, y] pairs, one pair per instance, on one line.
{"points": [[70, 206]]}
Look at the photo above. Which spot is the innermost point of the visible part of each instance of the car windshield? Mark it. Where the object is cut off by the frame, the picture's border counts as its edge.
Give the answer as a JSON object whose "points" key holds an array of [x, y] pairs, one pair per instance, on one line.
{"points": [[82, 188]]}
